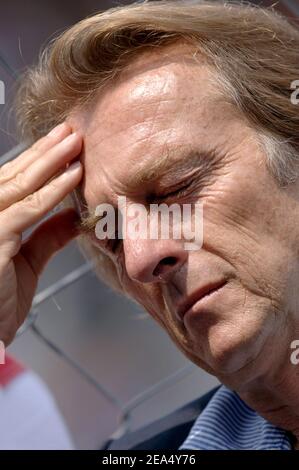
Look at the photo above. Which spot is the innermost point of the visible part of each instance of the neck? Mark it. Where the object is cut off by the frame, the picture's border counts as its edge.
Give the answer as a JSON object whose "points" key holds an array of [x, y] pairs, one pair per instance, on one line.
{"points": [[270, 384], [275, 394], [277, 401]]}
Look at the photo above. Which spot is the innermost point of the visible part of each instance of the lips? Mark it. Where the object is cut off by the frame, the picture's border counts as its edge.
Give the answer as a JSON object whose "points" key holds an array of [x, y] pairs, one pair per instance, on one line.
{"points": [[199, 294]]}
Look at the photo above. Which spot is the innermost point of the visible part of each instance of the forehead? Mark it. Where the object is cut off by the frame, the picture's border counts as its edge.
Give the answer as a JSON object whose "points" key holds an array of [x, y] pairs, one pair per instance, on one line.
{"points": [[157, 105]]}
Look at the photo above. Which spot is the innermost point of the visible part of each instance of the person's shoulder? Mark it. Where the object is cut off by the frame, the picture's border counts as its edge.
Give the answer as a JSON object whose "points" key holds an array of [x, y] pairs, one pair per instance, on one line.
{"points": [[168, 432]]}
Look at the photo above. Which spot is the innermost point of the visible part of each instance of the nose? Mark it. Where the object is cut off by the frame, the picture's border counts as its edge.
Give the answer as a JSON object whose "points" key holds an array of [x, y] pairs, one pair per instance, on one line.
{"points": [[153, 260]]}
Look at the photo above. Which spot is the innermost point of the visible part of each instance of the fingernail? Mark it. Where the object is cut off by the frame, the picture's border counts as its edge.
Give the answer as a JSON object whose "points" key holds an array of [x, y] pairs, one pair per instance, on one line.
{"points": [[70, 138], [56, 130], [73, 169]]}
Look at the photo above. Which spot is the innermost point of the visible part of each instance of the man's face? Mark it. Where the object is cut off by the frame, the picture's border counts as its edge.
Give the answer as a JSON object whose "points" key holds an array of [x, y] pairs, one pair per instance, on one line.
{"points": [[166, 104]]}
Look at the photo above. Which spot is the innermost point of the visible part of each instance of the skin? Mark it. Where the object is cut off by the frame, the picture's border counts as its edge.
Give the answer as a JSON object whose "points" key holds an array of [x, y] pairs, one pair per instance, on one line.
{"points": [[26, 197], [250, 238], [165, 102]]}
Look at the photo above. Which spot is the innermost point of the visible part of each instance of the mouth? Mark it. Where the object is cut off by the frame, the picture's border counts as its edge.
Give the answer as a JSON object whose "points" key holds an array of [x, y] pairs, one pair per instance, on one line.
{"points": [[200, 296]]}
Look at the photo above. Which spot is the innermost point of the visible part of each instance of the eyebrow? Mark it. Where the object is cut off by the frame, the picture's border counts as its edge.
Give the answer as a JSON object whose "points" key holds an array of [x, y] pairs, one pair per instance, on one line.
{"points": [[173, 163], [170, 165]]}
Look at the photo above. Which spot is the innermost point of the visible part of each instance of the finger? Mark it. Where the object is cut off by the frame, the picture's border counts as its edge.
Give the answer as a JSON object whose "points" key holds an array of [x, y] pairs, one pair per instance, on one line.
{"points": [[49, 237], [22, 215], [10, 169], [45, 167]]}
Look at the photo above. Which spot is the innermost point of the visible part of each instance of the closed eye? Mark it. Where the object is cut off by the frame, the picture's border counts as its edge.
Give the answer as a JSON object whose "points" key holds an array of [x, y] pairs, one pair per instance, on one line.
{"points": [[176, 193]]}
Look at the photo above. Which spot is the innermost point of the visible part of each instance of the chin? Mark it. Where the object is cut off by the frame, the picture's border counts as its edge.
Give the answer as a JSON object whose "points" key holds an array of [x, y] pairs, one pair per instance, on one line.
{"points": [[227, 349], [228, 334]]}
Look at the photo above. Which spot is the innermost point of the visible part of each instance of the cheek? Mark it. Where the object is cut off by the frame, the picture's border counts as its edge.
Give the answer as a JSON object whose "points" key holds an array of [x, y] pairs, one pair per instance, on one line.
{"points": [[236, 205], [233, 335], [243, 225]]}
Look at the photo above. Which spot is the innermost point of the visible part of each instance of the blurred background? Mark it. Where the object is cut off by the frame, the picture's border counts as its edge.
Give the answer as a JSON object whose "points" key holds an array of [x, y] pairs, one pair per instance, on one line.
{"points": [[110, 337]]}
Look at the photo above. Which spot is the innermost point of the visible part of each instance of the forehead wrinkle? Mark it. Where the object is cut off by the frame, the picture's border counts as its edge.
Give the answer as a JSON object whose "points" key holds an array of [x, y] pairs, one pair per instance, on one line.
{"points": [[146, 124], [144, 175], [148, 83], [137, 124], [174, 162], [151, 172]]}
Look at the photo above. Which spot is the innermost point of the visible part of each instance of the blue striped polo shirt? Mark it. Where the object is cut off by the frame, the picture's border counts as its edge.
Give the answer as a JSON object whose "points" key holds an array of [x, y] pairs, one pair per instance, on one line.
{"points": [[227, 423]]}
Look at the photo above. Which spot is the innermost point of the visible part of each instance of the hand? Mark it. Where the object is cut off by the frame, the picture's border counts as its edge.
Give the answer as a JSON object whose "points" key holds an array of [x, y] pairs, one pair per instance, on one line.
{"points": [[26, 196]]}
